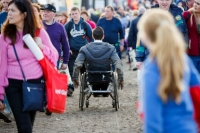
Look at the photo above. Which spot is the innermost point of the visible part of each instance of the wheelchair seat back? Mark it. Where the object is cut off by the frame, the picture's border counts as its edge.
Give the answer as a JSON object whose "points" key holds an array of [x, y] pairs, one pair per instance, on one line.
{"points": [[98, 73]]}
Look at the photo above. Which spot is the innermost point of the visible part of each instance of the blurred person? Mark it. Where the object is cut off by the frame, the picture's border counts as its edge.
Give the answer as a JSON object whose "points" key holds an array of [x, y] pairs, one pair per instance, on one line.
{"points": [[21, 21], [168, 77], [134, 15], [36, 9], [83, 8], [6, 113], [57, 17], [113, 31], [124, 17], [189, 3], [64, 18], [77, 31], [142, 52], [86, 17], [93, 17], [1, 7], [4, 13], [192, 18], [176, 12]]}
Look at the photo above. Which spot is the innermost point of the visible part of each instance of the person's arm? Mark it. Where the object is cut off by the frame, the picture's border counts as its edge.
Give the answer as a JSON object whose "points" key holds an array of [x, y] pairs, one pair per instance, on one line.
{"points": [[121, 33], [65, 46], [3, 67], [48, 49], [78, 64], [89, 33], [152, 103]]}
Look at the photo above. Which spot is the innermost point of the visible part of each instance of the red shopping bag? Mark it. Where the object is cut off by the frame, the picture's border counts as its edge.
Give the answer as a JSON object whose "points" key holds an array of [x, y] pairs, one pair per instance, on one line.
{"points": [[195, 94], [56, 87]]}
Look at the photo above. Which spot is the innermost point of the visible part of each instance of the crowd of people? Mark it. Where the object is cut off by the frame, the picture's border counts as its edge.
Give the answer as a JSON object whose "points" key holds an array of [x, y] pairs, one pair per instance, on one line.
{"points": [[157, 31]]}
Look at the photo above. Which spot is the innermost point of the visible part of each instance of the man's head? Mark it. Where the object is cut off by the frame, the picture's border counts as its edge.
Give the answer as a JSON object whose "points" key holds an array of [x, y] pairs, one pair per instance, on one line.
{"points": [[190, 3], [49, 12], [164, 4], [109, 12], [141, 10], [75, 14], [98, 33], [85, 15], [5, 5], [120, 9]]}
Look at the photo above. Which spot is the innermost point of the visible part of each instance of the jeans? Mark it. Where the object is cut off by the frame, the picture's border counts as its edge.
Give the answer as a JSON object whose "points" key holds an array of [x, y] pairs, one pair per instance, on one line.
{"points": [[24, 120], [72, 59], [196, 62]]}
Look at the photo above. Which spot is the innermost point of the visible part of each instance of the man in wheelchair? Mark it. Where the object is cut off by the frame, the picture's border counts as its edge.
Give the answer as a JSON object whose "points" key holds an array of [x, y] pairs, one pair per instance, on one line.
{"points": [[97, 57]]}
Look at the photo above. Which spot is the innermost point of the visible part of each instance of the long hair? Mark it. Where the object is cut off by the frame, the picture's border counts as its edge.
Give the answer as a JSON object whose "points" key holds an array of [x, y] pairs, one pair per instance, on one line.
{"points": [[167, 49], [30, 22], [193, 13]]}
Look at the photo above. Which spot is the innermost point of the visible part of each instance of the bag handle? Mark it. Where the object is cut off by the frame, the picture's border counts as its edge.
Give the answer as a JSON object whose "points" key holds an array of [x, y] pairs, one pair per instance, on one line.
{"points": [[19, 63]]}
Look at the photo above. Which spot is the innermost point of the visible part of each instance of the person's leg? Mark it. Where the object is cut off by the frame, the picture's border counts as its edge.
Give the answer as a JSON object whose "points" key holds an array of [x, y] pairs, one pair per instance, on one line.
{"points": [[14, 95], [70, 66], [32, 115]]}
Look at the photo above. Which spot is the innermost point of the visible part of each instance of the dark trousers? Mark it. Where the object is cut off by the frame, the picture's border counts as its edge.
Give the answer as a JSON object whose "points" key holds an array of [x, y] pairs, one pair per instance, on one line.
{"points": [[24, 120], [72, 59]]}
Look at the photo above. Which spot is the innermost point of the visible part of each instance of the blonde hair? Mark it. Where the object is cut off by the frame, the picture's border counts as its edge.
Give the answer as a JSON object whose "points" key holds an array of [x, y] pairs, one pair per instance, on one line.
{"points": [[193, 14], [167, 50]]}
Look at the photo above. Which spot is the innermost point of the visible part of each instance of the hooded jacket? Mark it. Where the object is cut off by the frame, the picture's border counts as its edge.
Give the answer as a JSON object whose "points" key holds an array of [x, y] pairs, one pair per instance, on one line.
{"points": [[78, 36], [179, 20], [98, 53]]}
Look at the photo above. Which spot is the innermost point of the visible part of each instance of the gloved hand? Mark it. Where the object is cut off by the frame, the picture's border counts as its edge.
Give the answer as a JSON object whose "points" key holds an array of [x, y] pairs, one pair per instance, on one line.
{"points": [[120, 84], [76, 83]]}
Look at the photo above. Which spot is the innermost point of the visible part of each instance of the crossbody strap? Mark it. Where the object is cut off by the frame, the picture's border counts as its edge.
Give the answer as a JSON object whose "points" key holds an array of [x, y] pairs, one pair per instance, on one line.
{"points": [[19, 63]]}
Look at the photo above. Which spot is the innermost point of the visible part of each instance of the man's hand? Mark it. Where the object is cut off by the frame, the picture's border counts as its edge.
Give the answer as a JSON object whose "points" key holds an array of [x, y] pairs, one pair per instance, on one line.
{"points": [[2, 106], [38, 41], [76, 83], [63, 66], [71, 53], [121, 48], [139, 65], [120, 84]]}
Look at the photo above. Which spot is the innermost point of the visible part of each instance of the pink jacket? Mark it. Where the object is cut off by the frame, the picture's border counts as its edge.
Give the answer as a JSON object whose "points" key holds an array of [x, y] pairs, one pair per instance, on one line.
{"points": [[9, 67]]}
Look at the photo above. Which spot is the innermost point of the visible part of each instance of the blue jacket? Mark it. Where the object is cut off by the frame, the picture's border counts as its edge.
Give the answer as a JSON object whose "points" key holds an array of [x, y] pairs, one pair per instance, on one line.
{"points": [[78, 36], [3, 17], [169, 117], [179, 20]]}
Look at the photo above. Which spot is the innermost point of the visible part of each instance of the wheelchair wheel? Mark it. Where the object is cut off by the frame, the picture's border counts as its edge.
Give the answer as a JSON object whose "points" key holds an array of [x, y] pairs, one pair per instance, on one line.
{"points": [[82, 94], [116, 100]]}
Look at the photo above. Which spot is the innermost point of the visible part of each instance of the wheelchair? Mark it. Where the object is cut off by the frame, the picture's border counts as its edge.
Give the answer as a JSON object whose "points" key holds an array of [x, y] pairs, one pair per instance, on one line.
{"points": [[98, 80]]}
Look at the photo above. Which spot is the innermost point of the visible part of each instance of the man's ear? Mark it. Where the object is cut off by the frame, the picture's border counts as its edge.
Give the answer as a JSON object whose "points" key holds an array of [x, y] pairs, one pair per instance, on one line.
{"points": [[102, 37]]}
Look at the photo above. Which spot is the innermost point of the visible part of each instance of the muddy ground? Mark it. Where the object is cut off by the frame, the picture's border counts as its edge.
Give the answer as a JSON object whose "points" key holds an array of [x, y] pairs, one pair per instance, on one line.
{"points": [[100, 117]]}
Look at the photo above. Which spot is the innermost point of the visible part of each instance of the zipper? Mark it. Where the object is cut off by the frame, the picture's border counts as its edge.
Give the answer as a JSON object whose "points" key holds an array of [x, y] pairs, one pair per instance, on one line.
{"points": [[33, 88]]}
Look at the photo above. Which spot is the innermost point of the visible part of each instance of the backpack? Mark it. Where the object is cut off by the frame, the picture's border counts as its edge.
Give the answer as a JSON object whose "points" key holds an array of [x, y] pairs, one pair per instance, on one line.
{"points": [[70, 27]]}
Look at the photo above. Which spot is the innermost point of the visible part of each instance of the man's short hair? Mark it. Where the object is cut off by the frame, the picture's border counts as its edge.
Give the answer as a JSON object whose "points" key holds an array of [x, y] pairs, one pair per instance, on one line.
{"points": [[75, 9], [111, 8], [98, 33]]}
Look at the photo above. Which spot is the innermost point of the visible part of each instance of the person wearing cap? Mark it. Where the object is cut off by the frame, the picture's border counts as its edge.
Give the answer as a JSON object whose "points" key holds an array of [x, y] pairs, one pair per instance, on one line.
{"points": [[56, 33], [78, 32]]}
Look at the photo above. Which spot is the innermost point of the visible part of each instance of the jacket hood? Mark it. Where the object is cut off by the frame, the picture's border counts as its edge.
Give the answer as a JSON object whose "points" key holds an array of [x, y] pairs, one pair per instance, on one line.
{"points": [[97, 49]]}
